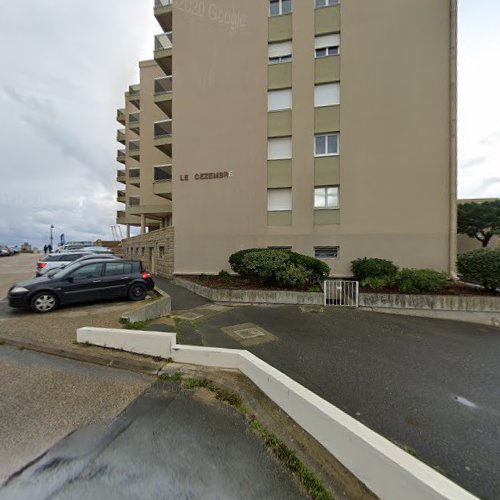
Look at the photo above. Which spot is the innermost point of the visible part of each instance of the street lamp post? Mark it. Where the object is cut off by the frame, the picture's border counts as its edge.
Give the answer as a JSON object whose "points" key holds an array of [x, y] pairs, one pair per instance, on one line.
{"points": [[51, 236]]}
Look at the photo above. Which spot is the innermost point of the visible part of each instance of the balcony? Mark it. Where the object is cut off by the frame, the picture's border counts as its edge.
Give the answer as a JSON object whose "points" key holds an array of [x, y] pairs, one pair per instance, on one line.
{"points": [[121, 156], [134, 176], [120, 136], [163, 52], [163, 181], [120, 196], [134, 122], [134, 149], [163, 136], [163, 13], [123, 218], [163, 94], [152, 211], [134, 95], [121, 116], [121, 176]]}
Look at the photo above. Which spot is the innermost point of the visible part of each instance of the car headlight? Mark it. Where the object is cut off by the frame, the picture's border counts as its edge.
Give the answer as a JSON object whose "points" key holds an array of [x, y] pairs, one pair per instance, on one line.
{"points": [[19, 289]]}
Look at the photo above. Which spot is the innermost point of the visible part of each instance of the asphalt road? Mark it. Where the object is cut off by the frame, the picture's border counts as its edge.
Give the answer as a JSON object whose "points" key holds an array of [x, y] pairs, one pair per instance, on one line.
{"points": [[431, 386], [167, 444]]}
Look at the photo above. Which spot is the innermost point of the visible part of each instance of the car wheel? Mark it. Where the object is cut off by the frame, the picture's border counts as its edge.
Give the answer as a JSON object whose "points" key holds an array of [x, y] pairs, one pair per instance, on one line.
{"points": [[137, 292], [44, 302]]}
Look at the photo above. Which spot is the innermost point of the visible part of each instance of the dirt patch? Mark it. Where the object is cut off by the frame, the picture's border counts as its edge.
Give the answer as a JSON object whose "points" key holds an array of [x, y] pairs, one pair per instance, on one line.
{"points": [[239, 283]]}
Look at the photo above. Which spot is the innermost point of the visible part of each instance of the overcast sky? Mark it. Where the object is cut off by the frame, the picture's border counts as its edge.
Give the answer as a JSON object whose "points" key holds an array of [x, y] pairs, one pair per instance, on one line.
{"points": [[65, 66]]}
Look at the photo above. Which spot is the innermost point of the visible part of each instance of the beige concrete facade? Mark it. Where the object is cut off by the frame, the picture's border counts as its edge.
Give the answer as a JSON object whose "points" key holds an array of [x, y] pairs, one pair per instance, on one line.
{"points": [[396, 164]]}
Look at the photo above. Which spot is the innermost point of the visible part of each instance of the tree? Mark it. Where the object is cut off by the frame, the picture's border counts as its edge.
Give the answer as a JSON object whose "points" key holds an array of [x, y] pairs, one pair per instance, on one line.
{"points": [[479, 220]]}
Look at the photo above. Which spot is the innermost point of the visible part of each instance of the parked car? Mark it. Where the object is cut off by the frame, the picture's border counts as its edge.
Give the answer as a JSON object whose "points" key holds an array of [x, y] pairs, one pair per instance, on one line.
{"points": [[57, 260], [4, 251], [87, 281], [96, 249], [93, 256]]}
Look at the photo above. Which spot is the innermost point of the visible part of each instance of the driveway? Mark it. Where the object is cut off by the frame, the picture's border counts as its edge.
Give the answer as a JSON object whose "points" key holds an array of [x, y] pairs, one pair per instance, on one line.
{"points": [[431, 386], [168, 443]]}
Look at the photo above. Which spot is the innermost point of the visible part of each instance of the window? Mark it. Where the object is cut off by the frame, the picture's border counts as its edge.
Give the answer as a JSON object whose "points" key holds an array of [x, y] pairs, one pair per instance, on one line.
{"points": [[87, 272], [279, 99], [117, 268], [279, 7], [163, 173], [134, 200], [279, 149], [326, 145], [326, 197], [326, 252], [162, 252], [280, 52], [327, 45], [326, 3], [279, 200], [327, 94]]}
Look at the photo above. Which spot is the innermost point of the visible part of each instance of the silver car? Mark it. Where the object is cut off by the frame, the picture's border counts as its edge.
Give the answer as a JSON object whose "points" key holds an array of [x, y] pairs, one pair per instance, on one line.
{"points": [[57, 260], [54, 270]]}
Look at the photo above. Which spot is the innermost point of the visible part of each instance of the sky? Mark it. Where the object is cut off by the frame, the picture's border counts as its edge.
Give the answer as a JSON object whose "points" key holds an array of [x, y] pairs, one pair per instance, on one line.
{"points": [[65, 66]]}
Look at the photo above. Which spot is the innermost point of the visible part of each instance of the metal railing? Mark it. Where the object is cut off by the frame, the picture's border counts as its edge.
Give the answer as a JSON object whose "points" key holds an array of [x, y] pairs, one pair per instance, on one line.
{"points": [[164, 41], [134, 145], [163, 85], [163, 129], [163, 3], [341, 293]]}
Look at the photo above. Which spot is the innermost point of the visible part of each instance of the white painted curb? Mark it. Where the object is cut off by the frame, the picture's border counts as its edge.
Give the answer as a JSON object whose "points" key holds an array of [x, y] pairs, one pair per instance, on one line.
{"points": [[383, 467]]}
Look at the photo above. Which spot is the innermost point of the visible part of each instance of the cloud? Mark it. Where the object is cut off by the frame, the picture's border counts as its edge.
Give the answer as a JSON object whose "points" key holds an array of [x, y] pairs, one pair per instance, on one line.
{"points": [[60, 89], [473, 162]]}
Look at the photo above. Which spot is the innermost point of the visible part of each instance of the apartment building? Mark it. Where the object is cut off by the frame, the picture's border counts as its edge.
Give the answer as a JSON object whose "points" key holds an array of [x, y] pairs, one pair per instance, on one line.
{"points": [[323, 126]]}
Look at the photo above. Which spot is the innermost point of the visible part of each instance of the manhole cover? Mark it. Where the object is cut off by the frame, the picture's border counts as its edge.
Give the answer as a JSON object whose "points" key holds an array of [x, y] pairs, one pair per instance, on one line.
{"points": [[249, 333], [190, 316]]}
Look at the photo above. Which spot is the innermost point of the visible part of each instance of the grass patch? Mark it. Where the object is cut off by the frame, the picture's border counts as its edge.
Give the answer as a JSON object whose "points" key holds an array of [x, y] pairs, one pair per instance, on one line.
{"points": [[178, 329], [138, 325], [171, 377], [314, 486]]}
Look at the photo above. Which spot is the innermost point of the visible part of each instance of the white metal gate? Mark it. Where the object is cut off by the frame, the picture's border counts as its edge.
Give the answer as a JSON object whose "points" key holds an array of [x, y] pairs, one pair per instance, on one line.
{"points": [[341, 293]]}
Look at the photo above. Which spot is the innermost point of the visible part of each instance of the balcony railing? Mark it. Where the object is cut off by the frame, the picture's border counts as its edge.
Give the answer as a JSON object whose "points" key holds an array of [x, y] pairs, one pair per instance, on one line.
{"points": [[163, 173], [163, 41], [134, 90], [163, 85], [134, 146], [163, 3], [121, 116], [120, 155], [163, 129], [134, 119], [134, 173], [134, 201]]}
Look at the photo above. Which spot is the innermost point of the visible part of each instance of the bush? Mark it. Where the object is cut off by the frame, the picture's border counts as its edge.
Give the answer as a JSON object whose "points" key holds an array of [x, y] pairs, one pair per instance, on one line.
{"points": [[378, 283], [481, 266], [373, 268], [319, 270], [421, 280], [236, 258], [278, 267], [263, 265], [293, 276]]}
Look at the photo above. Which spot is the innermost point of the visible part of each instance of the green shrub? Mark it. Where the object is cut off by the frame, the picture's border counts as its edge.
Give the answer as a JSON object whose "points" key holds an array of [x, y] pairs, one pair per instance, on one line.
{"points": [[373, 268], [263, 265], [421, 280], [378, 283], [224, 275], [236, 258], [481, 266], [293, 276], [319, 270]]}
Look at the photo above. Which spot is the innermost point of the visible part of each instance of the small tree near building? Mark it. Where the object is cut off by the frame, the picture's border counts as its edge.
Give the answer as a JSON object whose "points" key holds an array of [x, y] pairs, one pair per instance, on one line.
{"points": [[479, 220]]}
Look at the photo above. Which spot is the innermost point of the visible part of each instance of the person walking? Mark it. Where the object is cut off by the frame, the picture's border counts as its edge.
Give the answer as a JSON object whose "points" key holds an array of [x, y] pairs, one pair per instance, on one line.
{"points": [[45, 248], [49, 248]]}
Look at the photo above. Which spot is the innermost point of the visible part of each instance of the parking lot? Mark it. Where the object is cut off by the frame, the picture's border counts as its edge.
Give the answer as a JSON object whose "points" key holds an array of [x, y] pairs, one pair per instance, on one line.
{"points": [[16, 268]]}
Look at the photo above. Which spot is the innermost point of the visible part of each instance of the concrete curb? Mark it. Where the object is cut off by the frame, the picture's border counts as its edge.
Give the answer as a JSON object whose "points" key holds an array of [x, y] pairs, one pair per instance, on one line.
{"points": [[150, 310], [384, 468], [286, 297], [105, 359]]}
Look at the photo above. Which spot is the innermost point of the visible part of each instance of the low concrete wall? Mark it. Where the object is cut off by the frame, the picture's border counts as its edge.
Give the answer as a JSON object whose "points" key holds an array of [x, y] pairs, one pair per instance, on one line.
{"points": [[139, 342], [384, 468], [475, 309], [150, 309], [252, 296]]}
